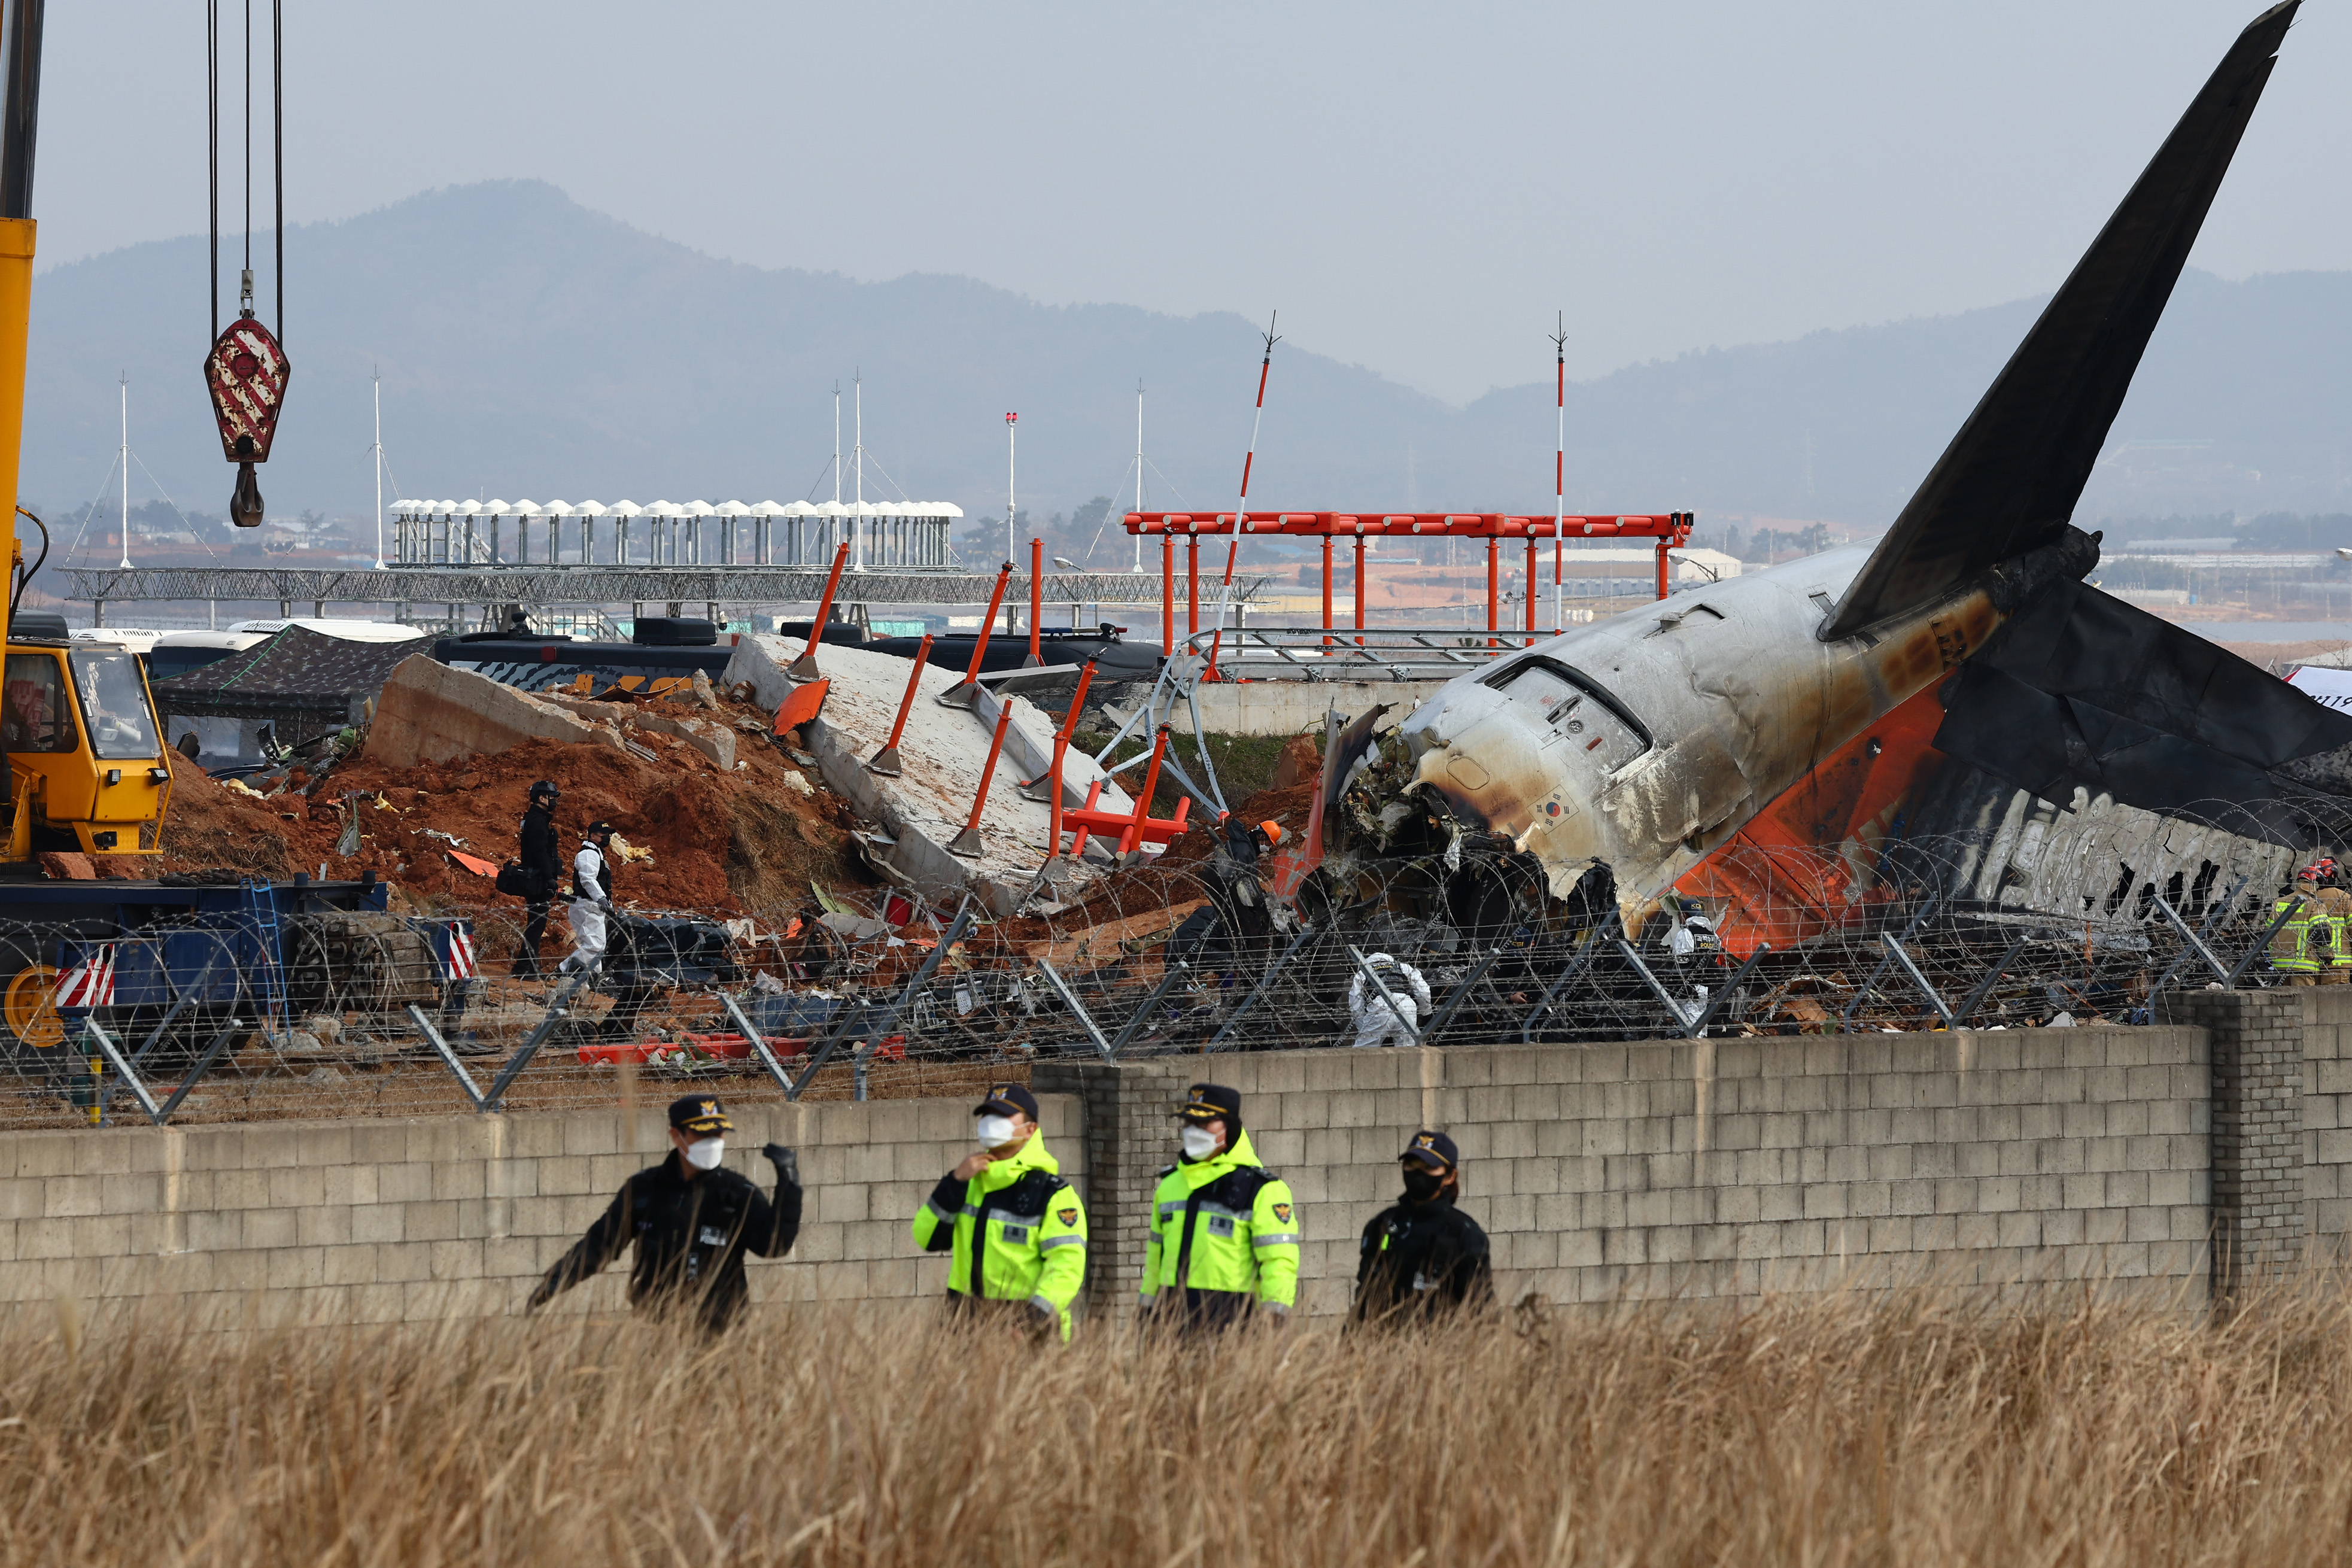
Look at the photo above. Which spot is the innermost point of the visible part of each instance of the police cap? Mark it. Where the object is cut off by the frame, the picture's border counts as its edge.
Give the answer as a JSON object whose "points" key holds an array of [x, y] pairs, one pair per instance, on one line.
{"points": [[700, 1114], [1435, 1150], [1004, 1099], [1212, 1102]]}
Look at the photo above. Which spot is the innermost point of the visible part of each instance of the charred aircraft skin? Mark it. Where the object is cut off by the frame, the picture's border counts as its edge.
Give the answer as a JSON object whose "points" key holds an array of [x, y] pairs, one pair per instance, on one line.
{"points": [[1645, 740]]}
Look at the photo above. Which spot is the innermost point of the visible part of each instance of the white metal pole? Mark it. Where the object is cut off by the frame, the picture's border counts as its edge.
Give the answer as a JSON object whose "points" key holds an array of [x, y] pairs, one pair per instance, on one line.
{"points": [[379, 470], [857, 414], [126, 469], [835, 522], [1559, 480], [1011, 422], [1139, 472]]}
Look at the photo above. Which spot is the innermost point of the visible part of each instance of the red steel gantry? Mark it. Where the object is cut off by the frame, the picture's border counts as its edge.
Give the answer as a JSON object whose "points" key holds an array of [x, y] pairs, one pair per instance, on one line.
{"points": [[1671, 529]]}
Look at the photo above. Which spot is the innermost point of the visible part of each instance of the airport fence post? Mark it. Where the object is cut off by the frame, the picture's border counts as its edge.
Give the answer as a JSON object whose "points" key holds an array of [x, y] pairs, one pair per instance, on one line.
{"points": [[2196, 946], [1169, 975], [1722, 995], [1264, 983], [448, 1058], [1061, 988], [955, 933], [1902, 955], [538, 1038], [886, 760], [1576, 965], [760, 1045], [1674, 1007], [204, 1065], [1887, 962], [1454, 998], [2261, 943], [2195, 942], [843, 1022], [179, 1005], [122, 1067], [1976, 998]]}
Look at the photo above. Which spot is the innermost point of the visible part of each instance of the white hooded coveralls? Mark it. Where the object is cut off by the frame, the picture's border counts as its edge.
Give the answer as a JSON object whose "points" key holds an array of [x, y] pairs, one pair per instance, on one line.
{"points": [[587, 913], [1377, 1024]]}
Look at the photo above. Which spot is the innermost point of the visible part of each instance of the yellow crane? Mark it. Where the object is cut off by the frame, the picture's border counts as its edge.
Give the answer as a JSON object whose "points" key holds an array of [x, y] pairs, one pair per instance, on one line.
{"points": [[85, 765]]}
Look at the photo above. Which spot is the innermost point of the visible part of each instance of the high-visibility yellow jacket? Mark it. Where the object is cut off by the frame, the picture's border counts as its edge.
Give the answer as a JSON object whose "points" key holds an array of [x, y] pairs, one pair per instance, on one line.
{"points": [[2291, 943], [1017, 1231], [1223, 1239], [2329, 924]]}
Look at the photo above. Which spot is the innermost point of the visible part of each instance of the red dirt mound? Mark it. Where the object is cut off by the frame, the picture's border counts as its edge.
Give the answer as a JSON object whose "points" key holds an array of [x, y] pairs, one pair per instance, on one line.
{"points": [[751, 839]]}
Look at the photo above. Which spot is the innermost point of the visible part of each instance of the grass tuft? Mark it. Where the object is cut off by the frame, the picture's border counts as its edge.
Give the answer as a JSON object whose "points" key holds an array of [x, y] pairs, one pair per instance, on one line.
{"points": [[1917, 1428]]}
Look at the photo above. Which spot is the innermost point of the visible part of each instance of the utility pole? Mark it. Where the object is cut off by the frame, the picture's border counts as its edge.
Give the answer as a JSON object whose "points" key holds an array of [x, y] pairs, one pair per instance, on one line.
{"points": [[858, 413], [126, 469], [378, 376], [1558, 480], [1139, 469]]}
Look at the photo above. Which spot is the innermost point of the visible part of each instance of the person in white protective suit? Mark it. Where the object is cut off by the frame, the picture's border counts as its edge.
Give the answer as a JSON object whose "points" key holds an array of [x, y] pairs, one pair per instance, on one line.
{"points": [[592, 898], [1377, 1022]]}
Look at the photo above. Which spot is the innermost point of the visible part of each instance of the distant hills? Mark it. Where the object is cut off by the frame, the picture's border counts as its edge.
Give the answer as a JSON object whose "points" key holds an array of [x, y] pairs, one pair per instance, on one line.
{"points": [[531, 347]]}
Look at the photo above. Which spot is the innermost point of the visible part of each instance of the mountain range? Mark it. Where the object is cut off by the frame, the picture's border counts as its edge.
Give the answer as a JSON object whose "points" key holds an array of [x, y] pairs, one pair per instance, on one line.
{"points": [[529, 346]]}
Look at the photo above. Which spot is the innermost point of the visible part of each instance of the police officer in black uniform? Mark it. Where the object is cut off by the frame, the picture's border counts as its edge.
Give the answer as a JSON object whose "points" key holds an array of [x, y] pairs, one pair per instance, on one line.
{"points": [[542, 864], [1423, 1260], [692, 1220]]}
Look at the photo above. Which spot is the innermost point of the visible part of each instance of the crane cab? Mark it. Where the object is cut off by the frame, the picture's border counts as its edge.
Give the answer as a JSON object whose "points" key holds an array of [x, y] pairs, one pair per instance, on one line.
{"points": [[85, 748]]}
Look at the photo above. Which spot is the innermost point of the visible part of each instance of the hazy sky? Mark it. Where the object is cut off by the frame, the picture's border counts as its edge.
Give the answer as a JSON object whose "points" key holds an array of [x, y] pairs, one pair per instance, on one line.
{"points": [[1418, 188]]}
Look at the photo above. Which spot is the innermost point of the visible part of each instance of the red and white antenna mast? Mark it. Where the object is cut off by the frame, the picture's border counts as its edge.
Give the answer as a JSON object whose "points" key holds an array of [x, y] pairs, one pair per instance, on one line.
{"points": [[1560, 475], [1241, 508]]}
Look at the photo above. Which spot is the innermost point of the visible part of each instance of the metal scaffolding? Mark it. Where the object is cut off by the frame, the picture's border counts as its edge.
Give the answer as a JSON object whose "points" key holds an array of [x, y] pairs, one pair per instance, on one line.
{"points": [[599, 584]]}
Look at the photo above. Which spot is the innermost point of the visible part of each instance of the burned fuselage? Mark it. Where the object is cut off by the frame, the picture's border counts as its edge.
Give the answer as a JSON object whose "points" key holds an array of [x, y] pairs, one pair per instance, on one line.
{"points": [[1645, 742], [1648, 741]]}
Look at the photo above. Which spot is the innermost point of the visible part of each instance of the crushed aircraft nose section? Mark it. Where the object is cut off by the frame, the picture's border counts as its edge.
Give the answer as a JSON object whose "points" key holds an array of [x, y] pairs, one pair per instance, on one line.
{"points": [[1731, 744]]}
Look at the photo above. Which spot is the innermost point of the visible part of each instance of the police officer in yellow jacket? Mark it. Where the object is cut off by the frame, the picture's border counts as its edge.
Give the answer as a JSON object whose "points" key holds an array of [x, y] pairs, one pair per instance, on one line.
{"points": [[1016, 1228], [1225, 1230]]}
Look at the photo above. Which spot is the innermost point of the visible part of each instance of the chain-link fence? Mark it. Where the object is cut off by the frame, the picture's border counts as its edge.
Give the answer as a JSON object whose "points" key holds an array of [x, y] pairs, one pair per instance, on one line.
{"points": [[367, 1012]]}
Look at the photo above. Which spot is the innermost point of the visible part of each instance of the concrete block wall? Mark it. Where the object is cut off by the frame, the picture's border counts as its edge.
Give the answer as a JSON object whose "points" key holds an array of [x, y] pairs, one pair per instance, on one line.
{"points": [[390, 1221], [2326, 1121], [1705, 1168], [2259, 1042], [1719, 1167]]}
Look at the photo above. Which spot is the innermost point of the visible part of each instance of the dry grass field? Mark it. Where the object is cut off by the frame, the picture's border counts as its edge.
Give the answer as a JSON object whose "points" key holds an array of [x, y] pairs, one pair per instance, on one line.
{"points": [[1916, 1430]]}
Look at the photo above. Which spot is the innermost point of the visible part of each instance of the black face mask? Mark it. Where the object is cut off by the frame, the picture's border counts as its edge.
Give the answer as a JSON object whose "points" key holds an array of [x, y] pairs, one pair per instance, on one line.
{"points": [[1421, 1186]]}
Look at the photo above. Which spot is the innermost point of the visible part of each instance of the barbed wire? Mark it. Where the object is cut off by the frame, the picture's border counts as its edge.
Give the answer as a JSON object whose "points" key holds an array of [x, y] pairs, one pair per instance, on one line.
{"points": [[374, 1014]]}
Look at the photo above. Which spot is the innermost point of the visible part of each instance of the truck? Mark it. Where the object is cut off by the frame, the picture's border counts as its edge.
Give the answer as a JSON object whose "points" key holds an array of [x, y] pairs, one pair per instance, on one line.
{"points": [[169, 965]]}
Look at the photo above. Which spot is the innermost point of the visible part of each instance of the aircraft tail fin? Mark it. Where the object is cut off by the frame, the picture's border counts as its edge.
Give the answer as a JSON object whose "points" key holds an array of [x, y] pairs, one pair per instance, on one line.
{"points": [[2010, 479]]}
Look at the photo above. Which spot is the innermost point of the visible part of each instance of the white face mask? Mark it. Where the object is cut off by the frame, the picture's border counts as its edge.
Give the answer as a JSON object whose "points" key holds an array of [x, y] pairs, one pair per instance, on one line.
{"points": [[996, 1131], [1199, 1142], [705, 1153]]}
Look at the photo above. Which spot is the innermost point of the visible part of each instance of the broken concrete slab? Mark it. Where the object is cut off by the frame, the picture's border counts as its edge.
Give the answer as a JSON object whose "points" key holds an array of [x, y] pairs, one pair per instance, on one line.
{"points": [[1289, 707], [942, 753], [713, 740], [430, 712]]}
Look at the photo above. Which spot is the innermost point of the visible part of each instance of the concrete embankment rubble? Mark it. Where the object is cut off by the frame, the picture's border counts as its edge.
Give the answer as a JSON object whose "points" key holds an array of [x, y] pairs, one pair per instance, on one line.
{"points": [[723, 821], [943, 753]]}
